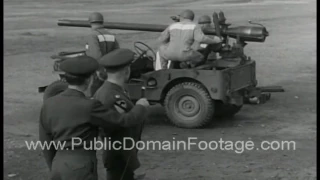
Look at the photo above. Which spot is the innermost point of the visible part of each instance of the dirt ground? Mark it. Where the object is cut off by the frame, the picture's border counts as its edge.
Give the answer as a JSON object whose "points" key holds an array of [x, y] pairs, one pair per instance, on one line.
{"points": [[287, 58]]}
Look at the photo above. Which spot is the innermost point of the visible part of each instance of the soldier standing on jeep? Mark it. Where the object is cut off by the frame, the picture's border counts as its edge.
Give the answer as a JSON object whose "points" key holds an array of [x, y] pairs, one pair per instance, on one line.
{"points": [[99, 43]]}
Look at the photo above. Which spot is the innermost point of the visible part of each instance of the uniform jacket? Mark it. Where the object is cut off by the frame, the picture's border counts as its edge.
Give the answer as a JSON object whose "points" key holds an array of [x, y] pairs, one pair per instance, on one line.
{"points": [[200, 45], [178, 38], [71, 114], [109, 94], [100, 42]]}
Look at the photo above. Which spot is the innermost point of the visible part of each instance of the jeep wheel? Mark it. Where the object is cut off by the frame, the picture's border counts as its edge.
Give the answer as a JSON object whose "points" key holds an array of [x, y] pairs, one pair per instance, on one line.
{"points": [[226, 110], [54, 88], [189, 105]]}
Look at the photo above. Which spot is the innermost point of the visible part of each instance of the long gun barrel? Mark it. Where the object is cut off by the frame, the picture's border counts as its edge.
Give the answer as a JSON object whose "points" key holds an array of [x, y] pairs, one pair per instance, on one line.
{"points": [[245, 33]]}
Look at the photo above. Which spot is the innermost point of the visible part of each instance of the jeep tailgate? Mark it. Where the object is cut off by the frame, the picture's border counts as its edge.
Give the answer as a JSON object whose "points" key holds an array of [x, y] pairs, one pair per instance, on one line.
{"points": [[242, 76]]}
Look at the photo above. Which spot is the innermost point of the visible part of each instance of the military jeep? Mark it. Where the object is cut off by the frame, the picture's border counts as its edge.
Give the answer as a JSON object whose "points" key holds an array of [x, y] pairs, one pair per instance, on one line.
{"points": [[192, 98]]}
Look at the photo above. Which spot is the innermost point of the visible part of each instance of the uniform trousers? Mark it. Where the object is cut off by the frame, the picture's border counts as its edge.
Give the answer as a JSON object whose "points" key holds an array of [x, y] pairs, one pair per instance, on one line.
{"points": [[118, 173], [188, 58], [120, 169], [74, 165]]}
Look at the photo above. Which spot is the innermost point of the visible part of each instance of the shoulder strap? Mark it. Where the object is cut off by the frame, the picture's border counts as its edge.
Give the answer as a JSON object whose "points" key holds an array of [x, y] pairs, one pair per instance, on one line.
{"points": [[105, 41], [101, 35]]}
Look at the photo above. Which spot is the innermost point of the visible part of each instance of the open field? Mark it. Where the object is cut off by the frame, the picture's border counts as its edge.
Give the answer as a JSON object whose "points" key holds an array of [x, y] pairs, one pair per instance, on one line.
{"points": [[287, 58]]}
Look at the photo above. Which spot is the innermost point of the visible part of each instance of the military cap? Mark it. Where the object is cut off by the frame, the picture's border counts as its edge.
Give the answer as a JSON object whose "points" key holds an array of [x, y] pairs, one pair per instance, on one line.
{"points": [[205, 19], [187, 14], [79, 66], [117, 58], [96, 18]]}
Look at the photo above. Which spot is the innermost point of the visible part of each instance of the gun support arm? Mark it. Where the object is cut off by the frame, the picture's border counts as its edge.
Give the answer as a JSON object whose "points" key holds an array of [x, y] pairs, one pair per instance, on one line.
{"points": [[260, 95], [271, 89]]}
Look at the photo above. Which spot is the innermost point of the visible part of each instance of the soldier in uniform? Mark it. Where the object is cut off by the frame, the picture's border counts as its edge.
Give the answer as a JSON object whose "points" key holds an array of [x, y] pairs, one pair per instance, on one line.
{"points": [[205, 22], [70, 115], [99, 42], [120, 164], [177, 41]]}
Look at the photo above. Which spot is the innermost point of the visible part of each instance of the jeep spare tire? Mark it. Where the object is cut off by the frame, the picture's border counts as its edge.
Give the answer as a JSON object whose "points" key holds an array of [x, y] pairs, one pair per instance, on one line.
{"points": [[54, 89], [189, 105]]}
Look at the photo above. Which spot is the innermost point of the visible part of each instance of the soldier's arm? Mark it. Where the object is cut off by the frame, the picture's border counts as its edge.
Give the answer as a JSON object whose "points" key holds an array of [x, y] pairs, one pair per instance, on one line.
{"points": [[202, 38], [46, 137], [94, 46], [164, 36], [108, 117]]}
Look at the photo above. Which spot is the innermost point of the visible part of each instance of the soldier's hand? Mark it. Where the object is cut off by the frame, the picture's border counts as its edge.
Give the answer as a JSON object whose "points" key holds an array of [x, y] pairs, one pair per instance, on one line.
{"points": [[143, 102], [218, 39]]}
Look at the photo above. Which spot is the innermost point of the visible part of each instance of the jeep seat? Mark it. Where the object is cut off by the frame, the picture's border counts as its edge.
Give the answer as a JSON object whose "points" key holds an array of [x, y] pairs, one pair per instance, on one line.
{"points": [[141, 66], [171, 64], [157, 63]]}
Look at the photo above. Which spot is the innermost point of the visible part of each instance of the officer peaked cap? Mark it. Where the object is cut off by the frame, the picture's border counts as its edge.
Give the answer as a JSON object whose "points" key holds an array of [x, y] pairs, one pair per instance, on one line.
{"points": [[79, 66], [117, 58]]}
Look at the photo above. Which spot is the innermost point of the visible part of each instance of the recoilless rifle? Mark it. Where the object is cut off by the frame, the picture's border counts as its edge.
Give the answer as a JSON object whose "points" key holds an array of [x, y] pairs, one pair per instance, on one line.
{"points": [[192, 98]]}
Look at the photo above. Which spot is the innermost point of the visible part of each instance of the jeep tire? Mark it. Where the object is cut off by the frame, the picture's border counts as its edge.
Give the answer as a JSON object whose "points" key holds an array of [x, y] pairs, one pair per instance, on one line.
{"points": [[54, 89], [189, 105]]}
